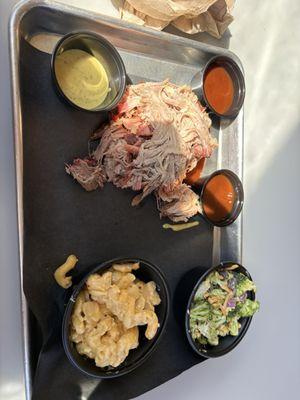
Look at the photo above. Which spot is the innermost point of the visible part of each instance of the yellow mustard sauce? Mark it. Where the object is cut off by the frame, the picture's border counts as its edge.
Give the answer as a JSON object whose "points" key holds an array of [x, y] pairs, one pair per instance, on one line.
{"points": [[180, 227], [82, 78]]}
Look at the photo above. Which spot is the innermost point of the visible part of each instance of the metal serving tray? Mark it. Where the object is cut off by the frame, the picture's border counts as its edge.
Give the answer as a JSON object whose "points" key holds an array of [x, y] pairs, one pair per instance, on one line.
{"points": [[148, 55]]}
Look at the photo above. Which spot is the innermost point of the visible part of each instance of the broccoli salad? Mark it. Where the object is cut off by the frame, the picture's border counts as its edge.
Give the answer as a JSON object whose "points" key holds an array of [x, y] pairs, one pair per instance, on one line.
{"points": [[220, 301]]}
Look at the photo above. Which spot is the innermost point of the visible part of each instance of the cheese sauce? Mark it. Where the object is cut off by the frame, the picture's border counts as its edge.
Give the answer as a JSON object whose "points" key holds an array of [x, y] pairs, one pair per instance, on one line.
{"points": [[82, 78]]}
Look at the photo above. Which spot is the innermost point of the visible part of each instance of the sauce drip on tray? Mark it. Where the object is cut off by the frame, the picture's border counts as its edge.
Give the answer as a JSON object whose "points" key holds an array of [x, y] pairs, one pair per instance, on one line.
{"points": [[218, 198], [218, 88]]}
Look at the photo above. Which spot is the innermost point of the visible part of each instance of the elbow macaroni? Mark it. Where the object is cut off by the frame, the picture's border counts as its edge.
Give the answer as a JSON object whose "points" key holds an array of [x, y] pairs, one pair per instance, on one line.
{"points": [[60, 273], [107, 313]]}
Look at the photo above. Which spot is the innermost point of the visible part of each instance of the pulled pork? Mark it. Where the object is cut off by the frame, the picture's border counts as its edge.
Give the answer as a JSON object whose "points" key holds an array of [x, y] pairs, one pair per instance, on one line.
{"points": [[158, 134], [87, 172]]}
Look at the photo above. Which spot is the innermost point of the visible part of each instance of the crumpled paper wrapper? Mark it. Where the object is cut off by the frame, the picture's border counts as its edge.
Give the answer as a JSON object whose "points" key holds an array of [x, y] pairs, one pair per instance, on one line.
{"points": [[189, 16]]}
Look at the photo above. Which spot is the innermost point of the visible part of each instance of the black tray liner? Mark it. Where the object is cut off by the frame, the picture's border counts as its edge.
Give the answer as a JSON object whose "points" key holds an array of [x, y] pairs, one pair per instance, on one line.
{"points": [[60, 218]]}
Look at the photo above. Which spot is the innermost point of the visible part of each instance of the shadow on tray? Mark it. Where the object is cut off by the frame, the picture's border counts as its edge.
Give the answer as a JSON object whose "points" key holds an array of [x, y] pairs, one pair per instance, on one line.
{"points": [[62, 296], [183, 291]]}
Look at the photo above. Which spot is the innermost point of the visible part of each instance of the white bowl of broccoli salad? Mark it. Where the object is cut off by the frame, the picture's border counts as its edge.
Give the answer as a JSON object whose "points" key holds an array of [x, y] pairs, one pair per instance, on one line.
{"points": [[220, 309]]}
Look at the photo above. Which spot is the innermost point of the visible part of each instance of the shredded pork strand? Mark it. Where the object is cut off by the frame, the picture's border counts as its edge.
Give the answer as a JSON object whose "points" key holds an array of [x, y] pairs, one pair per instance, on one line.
{"points": [[158, 135], [87, 172]]}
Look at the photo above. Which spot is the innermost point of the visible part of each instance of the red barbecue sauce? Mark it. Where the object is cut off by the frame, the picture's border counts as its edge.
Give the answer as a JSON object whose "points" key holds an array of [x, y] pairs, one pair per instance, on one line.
{"points": [[218, 88], [218, 198]]}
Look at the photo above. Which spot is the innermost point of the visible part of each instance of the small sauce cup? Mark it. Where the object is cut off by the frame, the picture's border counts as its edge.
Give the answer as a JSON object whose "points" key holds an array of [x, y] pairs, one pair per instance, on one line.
{"points": [[229, 216], [106, 54], [235, 83]]}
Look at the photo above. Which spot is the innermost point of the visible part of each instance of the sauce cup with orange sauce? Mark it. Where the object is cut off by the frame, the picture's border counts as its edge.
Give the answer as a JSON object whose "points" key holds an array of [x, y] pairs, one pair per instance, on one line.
{"points": [[222, 197], [220, 86]]}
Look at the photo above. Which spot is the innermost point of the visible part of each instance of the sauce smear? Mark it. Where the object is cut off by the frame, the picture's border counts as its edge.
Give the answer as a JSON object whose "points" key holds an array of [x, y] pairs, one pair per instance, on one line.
{"points": [[218, 198], [218, 88]]}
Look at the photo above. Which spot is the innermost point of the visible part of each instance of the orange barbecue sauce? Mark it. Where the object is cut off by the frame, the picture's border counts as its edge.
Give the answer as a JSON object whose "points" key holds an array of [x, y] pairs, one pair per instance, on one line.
{"points": [[193, 176], [218, 89], [218, 198]]}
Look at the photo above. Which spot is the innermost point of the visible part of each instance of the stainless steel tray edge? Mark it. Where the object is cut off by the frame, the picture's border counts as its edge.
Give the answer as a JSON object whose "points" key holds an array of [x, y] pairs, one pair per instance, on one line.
{"points": [[227, 242], [15, 19]]}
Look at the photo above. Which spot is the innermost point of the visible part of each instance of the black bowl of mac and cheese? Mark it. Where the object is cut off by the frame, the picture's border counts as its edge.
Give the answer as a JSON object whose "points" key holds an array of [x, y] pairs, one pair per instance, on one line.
{"points": [[115, 317]]}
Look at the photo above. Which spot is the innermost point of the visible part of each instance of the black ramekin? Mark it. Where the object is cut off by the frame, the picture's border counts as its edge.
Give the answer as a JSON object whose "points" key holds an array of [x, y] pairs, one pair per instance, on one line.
{"points": [[226, 343], [146, 272]]}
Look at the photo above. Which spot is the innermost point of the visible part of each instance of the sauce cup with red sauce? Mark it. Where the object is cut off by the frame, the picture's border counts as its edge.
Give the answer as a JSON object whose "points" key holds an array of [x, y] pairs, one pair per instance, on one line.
{"points": [[220, 86], [222, 197]]}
